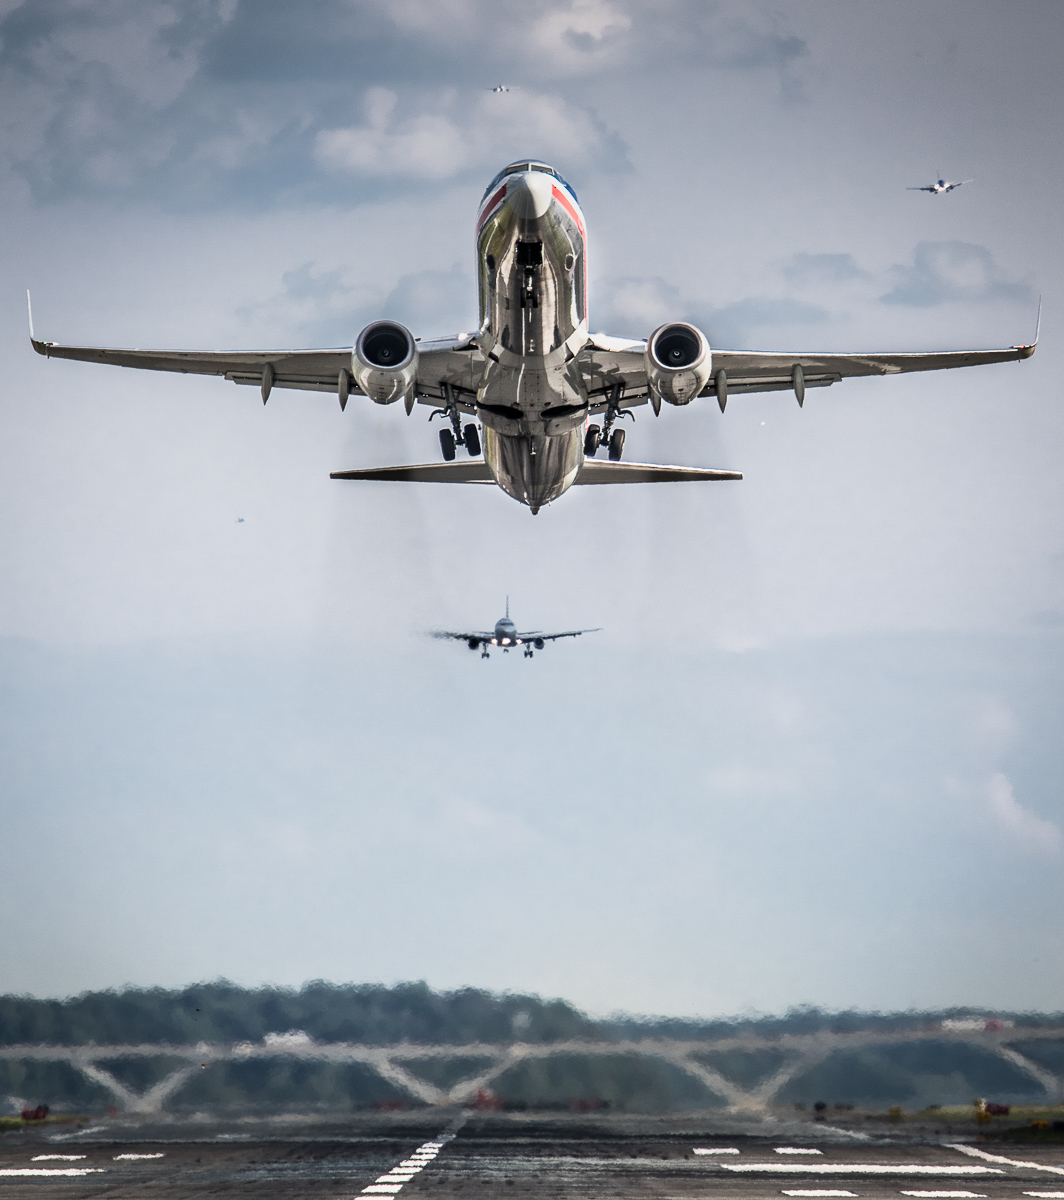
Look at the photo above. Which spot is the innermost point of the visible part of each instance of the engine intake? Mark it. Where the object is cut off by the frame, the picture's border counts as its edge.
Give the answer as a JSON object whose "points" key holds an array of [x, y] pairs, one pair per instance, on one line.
{"points": [[385, 362], [678, 363]]}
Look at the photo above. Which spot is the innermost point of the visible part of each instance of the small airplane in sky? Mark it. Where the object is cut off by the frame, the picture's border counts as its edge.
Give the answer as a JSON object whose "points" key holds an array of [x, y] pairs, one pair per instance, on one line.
{"points": [[534, 378], [500, 88], [505, 634], [941, 187]]}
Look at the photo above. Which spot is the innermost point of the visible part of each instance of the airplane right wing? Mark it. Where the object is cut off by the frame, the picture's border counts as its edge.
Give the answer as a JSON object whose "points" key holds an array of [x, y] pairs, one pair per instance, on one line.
{"points": [[457, 361]]}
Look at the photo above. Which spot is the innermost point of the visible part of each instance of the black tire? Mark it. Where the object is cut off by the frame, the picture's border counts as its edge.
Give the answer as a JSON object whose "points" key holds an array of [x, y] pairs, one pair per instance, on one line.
{"points": [[592, 440], [616, 445], [472, 440], [447, 445]]}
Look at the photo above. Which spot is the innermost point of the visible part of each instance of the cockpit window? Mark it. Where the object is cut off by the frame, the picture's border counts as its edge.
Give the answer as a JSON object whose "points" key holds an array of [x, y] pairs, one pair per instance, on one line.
{"points": [[515, 168]]}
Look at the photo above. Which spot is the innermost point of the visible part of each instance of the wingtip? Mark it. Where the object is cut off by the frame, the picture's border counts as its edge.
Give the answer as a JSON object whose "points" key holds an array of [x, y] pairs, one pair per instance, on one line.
{"points": [[40, 347]]}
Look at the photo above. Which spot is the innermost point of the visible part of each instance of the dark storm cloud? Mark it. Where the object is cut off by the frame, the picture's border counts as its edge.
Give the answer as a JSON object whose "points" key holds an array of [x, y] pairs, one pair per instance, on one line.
{"points": [[198, 102], [946, 271]]}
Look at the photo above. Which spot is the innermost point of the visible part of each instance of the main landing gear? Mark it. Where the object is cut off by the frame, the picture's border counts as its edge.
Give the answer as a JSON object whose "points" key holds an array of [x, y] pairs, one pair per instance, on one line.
{"points": [[614, 438], [456, 435]]}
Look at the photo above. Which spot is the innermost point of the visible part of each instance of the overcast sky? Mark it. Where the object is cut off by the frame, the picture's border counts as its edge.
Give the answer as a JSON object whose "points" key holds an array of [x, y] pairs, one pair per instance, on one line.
{"points": [[814, 756]]}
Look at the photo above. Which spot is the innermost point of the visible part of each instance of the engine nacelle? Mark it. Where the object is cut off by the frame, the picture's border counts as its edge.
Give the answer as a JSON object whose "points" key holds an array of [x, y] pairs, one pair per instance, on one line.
{"points": [[385, 362], [538, 643], [678, 363]]}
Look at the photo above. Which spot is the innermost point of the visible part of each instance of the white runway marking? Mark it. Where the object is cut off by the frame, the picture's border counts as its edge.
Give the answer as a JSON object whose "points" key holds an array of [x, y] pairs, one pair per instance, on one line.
{"points": [[1011, 1162], [49, 1170], [818, 1192], [948, 1195], [716, 1150], [793, 1168], [1046, 1195], [797, 1150], [56, 1157], [392, 1183], [135, 1157]]}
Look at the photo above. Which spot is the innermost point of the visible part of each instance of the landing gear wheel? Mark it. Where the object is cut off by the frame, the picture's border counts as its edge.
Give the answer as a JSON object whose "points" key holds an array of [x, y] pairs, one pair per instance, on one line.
{"points": [[447, 445], [472, 440], [616, 445], [592, 440]]}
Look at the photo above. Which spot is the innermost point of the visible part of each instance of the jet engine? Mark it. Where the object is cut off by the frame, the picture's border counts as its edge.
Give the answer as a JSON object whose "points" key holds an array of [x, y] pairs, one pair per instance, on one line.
{"points": [[678, 363], [538, 643], [385, 362]]}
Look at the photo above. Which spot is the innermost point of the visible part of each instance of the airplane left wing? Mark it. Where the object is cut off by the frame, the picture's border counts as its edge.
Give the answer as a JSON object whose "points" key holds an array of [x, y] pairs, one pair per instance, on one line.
{"points": [[753, 371], [552, 637], [609, 361], [478, 636]]}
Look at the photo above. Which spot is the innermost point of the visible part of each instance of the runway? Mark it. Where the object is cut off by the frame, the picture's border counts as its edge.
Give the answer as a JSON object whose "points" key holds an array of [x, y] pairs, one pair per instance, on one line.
{"points": [[480, 1156]]}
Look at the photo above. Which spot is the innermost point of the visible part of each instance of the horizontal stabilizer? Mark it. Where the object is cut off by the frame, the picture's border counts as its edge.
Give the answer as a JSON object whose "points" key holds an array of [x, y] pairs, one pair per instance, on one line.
{"points": [[473, 471], [594, 471]]}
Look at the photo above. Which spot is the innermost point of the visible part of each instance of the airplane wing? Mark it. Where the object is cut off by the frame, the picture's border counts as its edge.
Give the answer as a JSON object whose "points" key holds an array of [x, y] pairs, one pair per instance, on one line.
{"points": [[931, 188], [552, 637], [479, 636], [457, 361], [609, 361]]}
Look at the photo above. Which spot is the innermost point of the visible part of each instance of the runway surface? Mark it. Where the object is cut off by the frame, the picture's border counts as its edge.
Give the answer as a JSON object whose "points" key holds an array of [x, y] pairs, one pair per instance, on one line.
{"points": [[426, 1156]]}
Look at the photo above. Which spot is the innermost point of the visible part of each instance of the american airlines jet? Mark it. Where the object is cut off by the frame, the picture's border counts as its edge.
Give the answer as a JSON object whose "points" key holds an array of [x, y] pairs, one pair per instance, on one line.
{"points": [[547, 394]]}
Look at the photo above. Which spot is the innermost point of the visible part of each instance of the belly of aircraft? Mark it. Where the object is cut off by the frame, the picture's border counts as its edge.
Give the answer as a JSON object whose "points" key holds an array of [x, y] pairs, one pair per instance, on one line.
{"points": [[535, 469]]}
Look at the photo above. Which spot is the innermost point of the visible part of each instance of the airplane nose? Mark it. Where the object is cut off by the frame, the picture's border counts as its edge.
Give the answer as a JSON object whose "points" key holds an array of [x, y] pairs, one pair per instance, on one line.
{"points": [[529, 195]]}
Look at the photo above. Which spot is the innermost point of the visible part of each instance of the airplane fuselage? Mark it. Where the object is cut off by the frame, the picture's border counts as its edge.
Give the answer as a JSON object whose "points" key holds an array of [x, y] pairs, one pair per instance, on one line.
{"points": [[532, 285]]}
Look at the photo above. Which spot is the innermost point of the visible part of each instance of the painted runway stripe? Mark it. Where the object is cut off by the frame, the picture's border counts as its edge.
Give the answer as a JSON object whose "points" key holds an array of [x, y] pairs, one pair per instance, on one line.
{"points": [[1046, 1195], [1009, 1162], [70, 1171], [137, 1157], [56, 1157], [797, 1150], [947, 1195], [793, 1168], [716, 1150], [818, 1192], [392, 1183]]}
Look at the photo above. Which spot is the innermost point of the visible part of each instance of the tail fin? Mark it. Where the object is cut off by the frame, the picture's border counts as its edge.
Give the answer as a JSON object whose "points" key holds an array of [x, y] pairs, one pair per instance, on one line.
{"points": [[507, 607]]}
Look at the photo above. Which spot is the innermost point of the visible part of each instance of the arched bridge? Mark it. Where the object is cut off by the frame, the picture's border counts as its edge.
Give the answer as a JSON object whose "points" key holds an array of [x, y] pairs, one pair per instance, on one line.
{"points": [[799, 1052]]}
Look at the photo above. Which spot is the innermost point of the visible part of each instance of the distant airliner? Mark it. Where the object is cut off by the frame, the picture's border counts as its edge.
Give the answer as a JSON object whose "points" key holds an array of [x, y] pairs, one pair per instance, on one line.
{"points": [[532, 373], [941, 187], [505, 634]]}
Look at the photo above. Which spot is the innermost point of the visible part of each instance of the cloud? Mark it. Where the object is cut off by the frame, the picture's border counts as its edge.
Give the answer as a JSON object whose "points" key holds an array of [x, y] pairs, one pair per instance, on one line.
{"points": [[949, 271], [203, 101], [1032, 833], [818, 270], [634, 305], [740, 782], [452, 134], [735, 323]]}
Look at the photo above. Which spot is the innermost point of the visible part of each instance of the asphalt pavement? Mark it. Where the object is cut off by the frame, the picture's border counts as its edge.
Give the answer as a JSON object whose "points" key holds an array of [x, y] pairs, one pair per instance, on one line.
{"points": [[479, 1156]]}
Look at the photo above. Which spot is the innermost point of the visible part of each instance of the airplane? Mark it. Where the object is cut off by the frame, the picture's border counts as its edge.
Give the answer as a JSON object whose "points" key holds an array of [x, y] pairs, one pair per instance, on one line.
{"points": [[532, 374], [941, 187], [505, 634]]}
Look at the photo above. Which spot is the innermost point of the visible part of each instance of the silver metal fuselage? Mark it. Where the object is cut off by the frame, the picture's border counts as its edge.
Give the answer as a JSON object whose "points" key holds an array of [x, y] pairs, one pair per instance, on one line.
{"points": [[532, 284]]}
